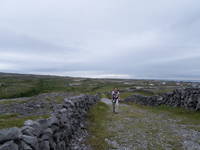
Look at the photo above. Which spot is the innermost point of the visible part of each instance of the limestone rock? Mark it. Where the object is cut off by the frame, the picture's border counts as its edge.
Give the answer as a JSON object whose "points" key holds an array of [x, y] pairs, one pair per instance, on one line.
{"points": [[9, 146], [9, 134]]}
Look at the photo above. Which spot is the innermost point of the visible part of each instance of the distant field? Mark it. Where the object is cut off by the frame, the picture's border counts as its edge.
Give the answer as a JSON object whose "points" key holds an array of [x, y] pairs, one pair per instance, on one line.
{"points": [[19, 85]]}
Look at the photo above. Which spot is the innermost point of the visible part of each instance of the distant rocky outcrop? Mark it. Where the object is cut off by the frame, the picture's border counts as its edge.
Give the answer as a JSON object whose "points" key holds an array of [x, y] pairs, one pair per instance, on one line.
{"points": [[188, 98], [38, 105], [59, 132]]}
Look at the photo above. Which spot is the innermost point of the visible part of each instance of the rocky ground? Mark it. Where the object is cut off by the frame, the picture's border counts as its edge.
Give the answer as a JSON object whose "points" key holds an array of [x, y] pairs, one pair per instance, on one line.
{"points": [[37, 105], [136, 128]]}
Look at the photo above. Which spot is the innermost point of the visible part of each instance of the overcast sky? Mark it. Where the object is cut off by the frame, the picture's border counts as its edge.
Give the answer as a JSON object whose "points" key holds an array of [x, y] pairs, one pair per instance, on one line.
{"points": [[101, 38]]}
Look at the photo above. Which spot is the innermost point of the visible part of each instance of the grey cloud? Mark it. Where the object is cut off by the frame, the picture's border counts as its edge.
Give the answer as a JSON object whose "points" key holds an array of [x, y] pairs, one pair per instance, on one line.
{"points": [[11, 41], [142, 39]]}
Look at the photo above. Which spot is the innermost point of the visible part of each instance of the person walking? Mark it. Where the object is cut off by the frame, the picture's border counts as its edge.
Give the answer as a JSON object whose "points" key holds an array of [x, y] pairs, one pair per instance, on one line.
{"points": [[115, 98]]}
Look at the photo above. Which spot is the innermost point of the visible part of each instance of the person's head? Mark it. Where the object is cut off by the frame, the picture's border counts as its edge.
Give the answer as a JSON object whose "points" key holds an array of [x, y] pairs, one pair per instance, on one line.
{"points": [[115, 89]]}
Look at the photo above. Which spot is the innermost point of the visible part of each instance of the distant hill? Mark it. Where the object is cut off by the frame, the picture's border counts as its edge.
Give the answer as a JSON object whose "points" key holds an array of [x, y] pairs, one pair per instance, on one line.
{"points": [[14, 85]]}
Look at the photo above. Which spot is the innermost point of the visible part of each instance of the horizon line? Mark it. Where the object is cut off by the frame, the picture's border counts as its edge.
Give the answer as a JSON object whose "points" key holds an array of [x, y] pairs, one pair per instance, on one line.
{"points": [[112, 78]]}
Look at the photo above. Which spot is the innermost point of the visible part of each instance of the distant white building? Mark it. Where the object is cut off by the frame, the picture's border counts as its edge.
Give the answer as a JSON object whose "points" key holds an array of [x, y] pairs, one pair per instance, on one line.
{"points": [[74, 84], [78, 80], [138, 87], [128, 83], [195, 85]]}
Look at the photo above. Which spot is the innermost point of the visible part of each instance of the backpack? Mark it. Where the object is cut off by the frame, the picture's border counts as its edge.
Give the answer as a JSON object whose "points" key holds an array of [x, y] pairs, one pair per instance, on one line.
{"points": [[115, 96]]}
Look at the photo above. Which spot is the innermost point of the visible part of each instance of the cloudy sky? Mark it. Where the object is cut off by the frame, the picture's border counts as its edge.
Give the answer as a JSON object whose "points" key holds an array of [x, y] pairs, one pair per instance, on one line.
{"points": [[157, 39]]}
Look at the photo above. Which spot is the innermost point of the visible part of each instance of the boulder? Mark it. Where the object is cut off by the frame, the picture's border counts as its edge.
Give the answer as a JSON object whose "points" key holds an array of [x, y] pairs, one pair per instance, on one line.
{"points": [[61, 146], [9, 146], [34, 125], [9, 134], [30, 140], [25, 146], [47, 134], [44, 145], [27, 130], [53, 120]]}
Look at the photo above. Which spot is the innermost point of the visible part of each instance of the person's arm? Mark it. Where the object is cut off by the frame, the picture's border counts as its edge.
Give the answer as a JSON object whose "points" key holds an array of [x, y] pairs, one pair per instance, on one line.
{"points": [[112, 94], [118, 95]]}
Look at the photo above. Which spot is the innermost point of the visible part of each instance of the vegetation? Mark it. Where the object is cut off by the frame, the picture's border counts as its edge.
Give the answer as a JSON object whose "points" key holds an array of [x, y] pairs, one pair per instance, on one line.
{"points": [[104, 126], [183, 116], [131, 127], [14, 120], [97, 118], [139, 92], [17, 85], [12, 101]]}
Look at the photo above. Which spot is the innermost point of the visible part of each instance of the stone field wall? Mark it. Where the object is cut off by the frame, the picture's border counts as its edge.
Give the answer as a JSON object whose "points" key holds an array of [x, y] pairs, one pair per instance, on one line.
{"points": [[54, 133], [188, 98]]}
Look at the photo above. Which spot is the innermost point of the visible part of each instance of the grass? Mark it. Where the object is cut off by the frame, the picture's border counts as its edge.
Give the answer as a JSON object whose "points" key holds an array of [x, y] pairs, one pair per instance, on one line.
{"points": [[124, 95], [187, 116], [126, 127], [151, 129], [144, 92], [14, 120], [59, 99], [16, 85], [183, 115], [163, 90], [97, 118], [12, 101], [25, 86]]}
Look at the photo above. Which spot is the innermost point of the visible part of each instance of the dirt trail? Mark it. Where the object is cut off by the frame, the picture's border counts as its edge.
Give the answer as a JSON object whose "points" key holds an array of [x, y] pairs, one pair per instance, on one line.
{"points": [[135, 128]]}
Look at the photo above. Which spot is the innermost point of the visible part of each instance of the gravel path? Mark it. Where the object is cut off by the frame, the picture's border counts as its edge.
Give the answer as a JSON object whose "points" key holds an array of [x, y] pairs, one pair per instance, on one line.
{"points": [[140, 129]]}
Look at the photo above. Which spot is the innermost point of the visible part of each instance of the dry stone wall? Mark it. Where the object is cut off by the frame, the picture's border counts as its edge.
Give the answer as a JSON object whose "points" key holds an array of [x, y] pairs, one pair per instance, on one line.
{"points": [[54, 133], [188, 98]]}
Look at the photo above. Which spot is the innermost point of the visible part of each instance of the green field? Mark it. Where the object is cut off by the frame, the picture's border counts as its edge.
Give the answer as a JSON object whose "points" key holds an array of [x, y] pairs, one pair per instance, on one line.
{"points": [[19, 85]]}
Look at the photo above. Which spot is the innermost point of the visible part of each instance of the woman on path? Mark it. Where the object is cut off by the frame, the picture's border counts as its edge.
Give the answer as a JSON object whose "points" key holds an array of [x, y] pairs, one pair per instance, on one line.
{"points": [[115, 99]]}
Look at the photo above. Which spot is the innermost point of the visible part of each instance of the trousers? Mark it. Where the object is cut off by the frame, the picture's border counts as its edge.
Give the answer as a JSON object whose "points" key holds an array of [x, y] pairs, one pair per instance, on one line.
{"points": [[115, 104]]}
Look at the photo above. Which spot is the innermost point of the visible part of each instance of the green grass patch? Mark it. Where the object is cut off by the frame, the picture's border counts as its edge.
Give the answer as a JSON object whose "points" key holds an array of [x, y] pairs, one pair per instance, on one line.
{"points": [[163, 90], [14, 120], [144, 93], [186, 116], [183, 115], [26, 86], [8, 116], [12, 101], [124, 95], [97, 118], [59, 99]]}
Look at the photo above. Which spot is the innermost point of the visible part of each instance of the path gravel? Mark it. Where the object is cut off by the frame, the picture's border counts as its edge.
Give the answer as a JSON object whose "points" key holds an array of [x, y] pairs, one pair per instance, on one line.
{"points": [[140, 129]]}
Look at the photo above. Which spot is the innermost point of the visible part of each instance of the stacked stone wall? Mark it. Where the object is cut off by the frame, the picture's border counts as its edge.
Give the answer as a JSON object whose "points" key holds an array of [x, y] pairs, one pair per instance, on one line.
{"points": [[188, 98], [54, 133]]}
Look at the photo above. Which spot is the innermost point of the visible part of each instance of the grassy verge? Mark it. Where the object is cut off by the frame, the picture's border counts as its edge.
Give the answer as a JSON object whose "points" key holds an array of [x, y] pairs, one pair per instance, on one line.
{"points": [[13, 120], [97, 118], [183, 116], [12, 101], [14, 86], [124, 95]]}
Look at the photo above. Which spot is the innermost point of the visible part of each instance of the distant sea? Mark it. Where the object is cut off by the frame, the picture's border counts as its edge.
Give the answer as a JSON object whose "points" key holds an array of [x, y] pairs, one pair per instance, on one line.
{"points": [[184, 80], [176, 80]]}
